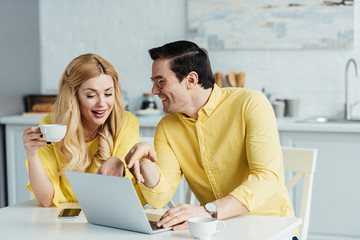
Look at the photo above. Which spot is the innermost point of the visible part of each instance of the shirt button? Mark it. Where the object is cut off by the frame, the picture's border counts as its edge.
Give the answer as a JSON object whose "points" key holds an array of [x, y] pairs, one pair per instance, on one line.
{"points": [[218, 194], [203, 147], [199, 122], [209, 171]]}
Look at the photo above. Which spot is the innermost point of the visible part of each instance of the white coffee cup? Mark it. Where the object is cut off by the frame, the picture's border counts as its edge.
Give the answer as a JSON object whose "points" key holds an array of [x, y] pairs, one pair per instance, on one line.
{"points": [[205, 227], [53, 132]]}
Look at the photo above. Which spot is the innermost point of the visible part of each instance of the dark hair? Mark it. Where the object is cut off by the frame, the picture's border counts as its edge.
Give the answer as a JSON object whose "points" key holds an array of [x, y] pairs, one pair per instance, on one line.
{"points": [[186, 56]]}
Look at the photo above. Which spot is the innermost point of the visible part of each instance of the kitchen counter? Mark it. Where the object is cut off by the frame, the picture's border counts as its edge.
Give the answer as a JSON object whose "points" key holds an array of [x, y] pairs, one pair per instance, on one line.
{"points": [[35, 120], [284, 124], [291, 124]]}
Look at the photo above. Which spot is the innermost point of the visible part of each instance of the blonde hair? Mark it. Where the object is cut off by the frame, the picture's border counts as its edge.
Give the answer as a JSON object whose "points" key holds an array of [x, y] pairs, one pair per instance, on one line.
{"points": [[67, 111]]}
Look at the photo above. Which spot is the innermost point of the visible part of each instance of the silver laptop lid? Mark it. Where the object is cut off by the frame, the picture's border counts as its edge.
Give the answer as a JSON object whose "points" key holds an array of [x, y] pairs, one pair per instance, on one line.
{"points": [[109, 201]]}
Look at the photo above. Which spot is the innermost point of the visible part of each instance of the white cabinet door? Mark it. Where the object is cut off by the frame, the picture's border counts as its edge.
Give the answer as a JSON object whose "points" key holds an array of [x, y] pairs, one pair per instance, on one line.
{"points": [[147, 131], [17, 175], [335, 207]]}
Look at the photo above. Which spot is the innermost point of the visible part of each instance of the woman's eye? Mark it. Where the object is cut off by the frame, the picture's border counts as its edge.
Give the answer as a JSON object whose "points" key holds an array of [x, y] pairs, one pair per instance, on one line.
{"points": [[90, 96], [108, 94]]}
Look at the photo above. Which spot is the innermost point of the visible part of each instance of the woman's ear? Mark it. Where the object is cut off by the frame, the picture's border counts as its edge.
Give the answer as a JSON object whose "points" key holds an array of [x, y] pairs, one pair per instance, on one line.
{"points": [[192, 79]]}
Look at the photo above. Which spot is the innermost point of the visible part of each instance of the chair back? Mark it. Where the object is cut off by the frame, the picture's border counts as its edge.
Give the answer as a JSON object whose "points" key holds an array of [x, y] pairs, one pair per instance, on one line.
{"points": [[302, 163]]}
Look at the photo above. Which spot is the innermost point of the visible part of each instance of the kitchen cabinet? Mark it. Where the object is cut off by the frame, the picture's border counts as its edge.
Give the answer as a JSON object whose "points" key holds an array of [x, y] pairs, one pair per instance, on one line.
{"points": [[148, 125], [17, 176], [3, 193], [335, 204]]}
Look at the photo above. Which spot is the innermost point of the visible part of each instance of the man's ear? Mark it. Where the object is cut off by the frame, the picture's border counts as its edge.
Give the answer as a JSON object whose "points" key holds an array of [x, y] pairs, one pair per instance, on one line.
{"points": [[192, 79]]}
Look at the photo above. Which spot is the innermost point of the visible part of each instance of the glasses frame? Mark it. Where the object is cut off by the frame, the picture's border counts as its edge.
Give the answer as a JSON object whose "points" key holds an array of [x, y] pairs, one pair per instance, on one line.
{"points": [[159, 82]]}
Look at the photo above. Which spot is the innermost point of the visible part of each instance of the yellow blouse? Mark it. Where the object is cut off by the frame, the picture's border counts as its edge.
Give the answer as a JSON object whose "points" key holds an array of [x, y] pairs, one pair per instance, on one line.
{"points": [[53, 161], [232, 148]]}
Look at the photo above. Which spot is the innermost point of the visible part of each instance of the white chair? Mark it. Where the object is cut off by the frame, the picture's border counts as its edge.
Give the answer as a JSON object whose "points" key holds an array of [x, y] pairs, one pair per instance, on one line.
{"points": [[302, 162], [189, 199]]}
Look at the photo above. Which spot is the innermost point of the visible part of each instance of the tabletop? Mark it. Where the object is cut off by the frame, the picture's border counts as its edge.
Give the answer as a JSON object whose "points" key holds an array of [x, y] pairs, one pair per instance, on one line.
{"points": [[29, 221]]}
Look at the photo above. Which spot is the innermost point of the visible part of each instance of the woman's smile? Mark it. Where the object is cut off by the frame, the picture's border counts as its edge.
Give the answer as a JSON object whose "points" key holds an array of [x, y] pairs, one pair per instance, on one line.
{"points": [[99, 113]]}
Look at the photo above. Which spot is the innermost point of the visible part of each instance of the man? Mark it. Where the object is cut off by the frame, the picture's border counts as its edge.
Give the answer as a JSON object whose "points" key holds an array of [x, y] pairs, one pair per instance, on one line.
{"points": [[224, 140]]}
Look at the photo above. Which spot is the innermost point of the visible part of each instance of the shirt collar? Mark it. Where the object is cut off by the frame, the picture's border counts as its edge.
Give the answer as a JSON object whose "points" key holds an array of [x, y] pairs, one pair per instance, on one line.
{"points": [[210, 106], [213, 101]]}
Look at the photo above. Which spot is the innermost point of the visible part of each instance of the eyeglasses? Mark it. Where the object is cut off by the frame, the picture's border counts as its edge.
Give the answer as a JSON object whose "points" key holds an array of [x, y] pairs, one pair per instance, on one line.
{"points": [[160, 82]]}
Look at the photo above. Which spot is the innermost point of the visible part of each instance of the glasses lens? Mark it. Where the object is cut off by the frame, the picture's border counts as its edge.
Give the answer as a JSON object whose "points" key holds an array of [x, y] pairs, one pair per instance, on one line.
{"points": [[157, 82]]}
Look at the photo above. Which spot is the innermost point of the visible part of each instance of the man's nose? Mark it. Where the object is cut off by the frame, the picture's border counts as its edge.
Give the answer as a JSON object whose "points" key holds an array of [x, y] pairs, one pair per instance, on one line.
{"points": [[155, 89]]}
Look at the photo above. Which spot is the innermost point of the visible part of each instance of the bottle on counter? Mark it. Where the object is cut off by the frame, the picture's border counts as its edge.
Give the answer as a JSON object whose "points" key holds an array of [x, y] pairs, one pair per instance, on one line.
{"points": [[148, 101], [148, 106]]}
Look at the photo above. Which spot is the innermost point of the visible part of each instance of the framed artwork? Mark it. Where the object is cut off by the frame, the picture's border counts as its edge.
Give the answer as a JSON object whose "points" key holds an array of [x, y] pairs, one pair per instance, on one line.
{"points": [[264, 24]]}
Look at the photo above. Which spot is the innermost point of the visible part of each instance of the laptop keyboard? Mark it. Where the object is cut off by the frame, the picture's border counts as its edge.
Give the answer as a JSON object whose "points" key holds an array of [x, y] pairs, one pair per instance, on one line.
{"points": [[153, 225]]}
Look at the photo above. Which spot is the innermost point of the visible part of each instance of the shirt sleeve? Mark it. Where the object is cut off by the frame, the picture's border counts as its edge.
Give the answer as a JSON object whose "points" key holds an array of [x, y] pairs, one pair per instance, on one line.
{"points": [[48, 159], [170, 172], [128, 137], [49, 162], [263, 152]]}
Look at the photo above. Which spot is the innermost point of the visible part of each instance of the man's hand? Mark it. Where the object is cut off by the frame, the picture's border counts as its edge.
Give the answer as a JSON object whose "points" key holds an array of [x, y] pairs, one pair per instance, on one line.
{"points": [[140, 151], [112, 166], [180, 214]]}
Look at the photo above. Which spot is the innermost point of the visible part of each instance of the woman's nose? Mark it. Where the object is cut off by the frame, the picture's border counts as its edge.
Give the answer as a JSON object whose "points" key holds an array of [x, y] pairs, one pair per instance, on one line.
{"points": [[101, 101]]}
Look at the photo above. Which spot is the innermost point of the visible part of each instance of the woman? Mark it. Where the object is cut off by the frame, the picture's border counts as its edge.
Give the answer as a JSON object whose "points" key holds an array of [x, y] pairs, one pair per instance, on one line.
{"points": [[99, 131]]}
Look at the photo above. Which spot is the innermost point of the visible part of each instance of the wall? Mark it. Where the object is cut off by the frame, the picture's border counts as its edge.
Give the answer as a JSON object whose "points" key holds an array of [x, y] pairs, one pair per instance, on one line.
{"points": [[19, 63], [20, 53], [123, 31], [120, 31]]}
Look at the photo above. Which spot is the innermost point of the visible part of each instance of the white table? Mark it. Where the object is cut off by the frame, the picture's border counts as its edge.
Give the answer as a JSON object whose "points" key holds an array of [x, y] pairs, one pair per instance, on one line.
{"points": [[29, 221]]}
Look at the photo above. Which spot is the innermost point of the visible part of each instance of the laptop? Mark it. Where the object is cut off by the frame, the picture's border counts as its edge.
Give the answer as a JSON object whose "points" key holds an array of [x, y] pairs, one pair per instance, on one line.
{"points": [[111, 201]]}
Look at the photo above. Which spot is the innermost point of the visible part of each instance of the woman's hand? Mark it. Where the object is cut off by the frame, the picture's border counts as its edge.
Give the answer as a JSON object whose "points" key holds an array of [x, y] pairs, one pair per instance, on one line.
{"points": [[32, 140], [112, 166]]}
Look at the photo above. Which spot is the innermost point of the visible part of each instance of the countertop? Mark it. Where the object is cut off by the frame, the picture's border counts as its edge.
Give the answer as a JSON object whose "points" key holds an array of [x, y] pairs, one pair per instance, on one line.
{"points": [[284, 124], [150, 121]]}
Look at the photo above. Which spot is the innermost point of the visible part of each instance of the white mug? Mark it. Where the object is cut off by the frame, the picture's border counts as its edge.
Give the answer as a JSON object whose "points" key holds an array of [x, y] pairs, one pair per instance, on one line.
{"points": [[53, 132], [279, 108], [205, 227]]}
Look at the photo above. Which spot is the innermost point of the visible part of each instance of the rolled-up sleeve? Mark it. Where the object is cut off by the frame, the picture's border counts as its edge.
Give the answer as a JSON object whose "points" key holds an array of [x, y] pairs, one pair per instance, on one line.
{"points": [[263, 154], [170, 172]]}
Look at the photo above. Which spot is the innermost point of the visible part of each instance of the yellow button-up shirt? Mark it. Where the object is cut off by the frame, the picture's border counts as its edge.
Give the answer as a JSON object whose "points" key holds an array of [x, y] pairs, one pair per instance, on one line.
{"points": [[53, 161], [232, 148]]}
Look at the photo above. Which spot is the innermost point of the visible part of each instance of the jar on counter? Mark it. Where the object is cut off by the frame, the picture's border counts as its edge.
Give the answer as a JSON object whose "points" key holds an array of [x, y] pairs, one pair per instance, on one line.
{"points": [[148, 101]]}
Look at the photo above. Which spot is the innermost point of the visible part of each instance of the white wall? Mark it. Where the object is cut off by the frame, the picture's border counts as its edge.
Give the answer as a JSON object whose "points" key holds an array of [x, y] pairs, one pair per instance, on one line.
{"points": [[120, 31], [19, 53], [123, 31], [19, 64]]}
